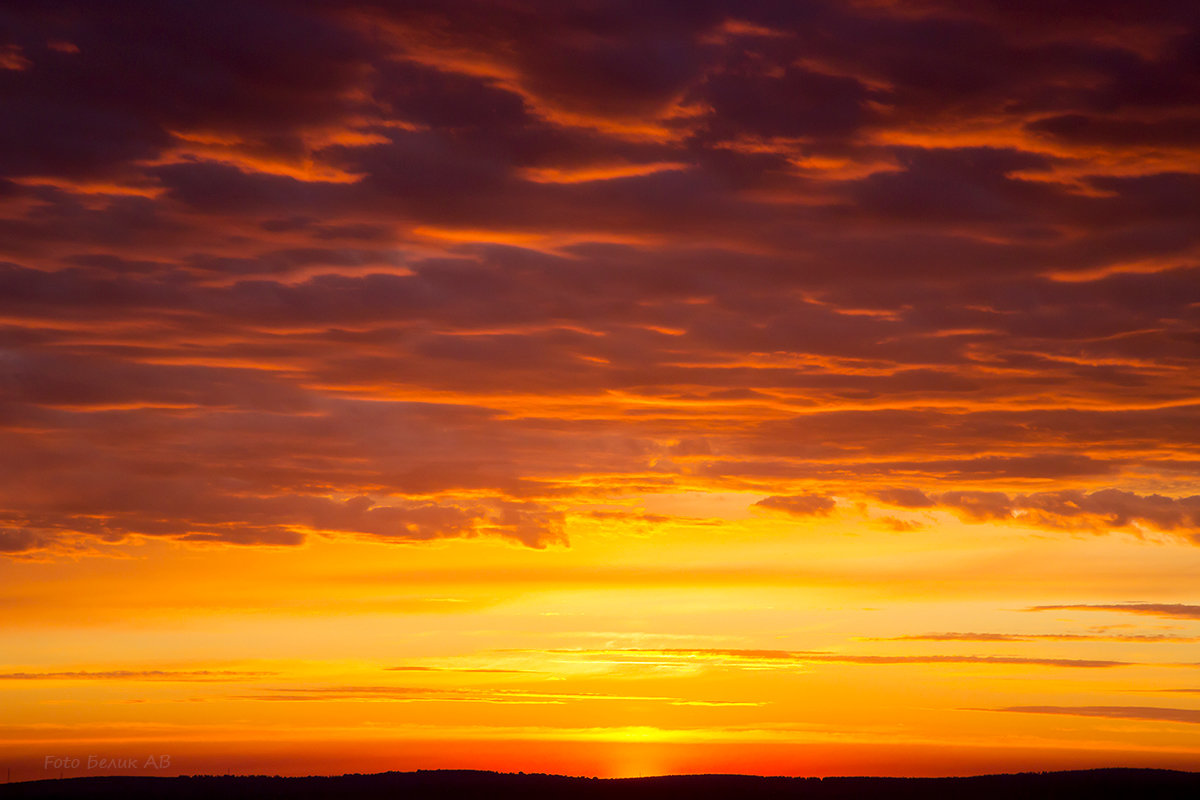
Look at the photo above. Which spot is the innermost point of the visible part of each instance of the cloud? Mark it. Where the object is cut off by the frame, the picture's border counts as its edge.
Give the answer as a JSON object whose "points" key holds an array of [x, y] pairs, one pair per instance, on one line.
{"points": [[18, 540], [483, 265], [192, 504], [1173, 610], [771, 659], [803, 505], [1067, 509], [456, 669], [1042, 662], [278, 72], [406, 694], [1185, 715], [904, 498], [1035, 637], [202, 675]]}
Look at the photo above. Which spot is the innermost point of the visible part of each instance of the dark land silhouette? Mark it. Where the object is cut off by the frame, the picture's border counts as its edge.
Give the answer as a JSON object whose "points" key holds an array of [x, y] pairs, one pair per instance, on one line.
{"points": [[452, 784]]}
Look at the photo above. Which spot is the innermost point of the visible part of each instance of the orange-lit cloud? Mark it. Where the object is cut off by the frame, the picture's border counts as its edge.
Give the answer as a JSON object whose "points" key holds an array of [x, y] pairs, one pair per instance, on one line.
{"points": [[1180, 610], [757, 659], [134, 675], [1033, 637], [1156, 714]]}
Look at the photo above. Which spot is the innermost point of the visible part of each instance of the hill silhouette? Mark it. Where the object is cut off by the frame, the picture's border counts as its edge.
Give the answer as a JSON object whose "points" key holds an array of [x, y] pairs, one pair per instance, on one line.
{"points": [[453, 784]]}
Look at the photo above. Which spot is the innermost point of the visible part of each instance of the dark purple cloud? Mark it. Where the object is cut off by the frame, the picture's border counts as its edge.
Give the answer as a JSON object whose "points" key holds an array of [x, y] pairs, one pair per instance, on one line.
{"points": [[479, 265]]}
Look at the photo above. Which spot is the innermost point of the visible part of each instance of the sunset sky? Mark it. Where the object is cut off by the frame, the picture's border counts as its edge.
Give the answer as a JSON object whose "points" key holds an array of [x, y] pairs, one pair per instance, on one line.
{"points": [[601, 388]]}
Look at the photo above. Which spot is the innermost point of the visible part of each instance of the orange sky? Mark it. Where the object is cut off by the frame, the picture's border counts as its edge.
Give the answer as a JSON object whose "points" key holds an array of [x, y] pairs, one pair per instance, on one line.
{"points": [[607, 390]]}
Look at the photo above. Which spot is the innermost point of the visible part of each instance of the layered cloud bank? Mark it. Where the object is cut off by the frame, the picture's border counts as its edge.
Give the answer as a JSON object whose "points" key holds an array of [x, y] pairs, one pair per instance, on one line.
{"points": [[407, 271]]}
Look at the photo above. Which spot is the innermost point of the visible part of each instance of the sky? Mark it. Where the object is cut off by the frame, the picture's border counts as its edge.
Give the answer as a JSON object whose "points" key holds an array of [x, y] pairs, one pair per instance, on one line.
{"points": [[601, 388]]}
